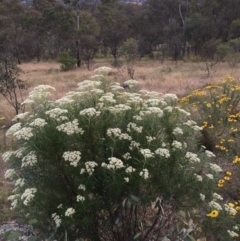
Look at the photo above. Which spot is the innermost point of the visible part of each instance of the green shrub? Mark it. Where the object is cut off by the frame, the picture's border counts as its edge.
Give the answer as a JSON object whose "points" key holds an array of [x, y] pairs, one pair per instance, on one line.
{"points": [[105, 164], [68, 61]]}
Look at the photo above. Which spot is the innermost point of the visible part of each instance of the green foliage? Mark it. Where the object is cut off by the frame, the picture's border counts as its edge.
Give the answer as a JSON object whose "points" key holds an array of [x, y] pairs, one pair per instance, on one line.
{"points": [[129, 49], [103, 164], [67, 60], [11, 86]]}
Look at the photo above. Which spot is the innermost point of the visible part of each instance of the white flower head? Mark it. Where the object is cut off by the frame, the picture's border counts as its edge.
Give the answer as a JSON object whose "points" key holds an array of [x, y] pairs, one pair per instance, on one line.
{"points": [[147, 153], [177, 144], [69, 212], [144, 173], [102, 70], [131, 83], [80, 198], [90, 112], [213, 204], [163, 152], [28, 195], [20, 116], [72, 156]]}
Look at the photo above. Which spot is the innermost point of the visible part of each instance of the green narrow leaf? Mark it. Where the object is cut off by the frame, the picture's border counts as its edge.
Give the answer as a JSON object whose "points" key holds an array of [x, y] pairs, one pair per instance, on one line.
{"points": [[137, 235], [134, 198], [14, 235], [191, 237], [32, 221], [182, 213]]}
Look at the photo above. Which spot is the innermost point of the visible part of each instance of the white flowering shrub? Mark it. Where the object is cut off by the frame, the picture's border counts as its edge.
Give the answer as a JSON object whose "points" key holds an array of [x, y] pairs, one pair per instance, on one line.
{"points": [[105, 164]]}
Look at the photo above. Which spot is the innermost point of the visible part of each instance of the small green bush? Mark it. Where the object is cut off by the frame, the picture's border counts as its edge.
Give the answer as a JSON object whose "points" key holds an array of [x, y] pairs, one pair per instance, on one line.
{"points": [[67, 60]]}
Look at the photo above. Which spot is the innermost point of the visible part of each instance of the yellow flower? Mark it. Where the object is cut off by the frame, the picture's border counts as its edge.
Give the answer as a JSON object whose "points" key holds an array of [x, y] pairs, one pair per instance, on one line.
{"points": [[221, 181], [213, 214], [237, 208], [2, 118], [228, 173], [220, 185], [231, 205], [227, 178]]}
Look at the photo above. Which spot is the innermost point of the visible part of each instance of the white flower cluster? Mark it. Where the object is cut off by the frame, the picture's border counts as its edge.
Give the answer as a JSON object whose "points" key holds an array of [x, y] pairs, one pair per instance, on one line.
{"points": [[168, 109], [7, 155], [38, 122], [54, 113], [213, 204], [131, 83], [163, 152], [38, 93], [80, 198], [177, 131], [72, 156], [107, 97], [202, 196], [137, 118], [102, 70], [13, 129], [150, 138], [30, 159], [144, 173], [183, 112], [230, 210], [133, 126], [147, 153], [57, 219], [90, 165], [82, 187], [25, 133], [152, 111], [64, 101], [198, 177], [126, 179], [215, 167], [134, 144], [209, 175], [90, 112], [28, 195], [127, 156], [232, 234], [209, 154], [20, 116], [97, 76], [119, 108], [130, 169], [20, 182], [117, 133], [70, 128], [9, 174], [116, 86], [153, 102], [69, 212], [19, 153], [14, 201], [114, 163], [88, 84], [170, 97], [177, 144], [216, 196], [192, 157]]}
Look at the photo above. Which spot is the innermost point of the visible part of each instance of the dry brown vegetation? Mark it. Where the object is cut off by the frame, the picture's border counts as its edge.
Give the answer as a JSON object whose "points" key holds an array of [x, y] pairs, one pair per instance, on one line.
{"points": [[168, 77]]}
